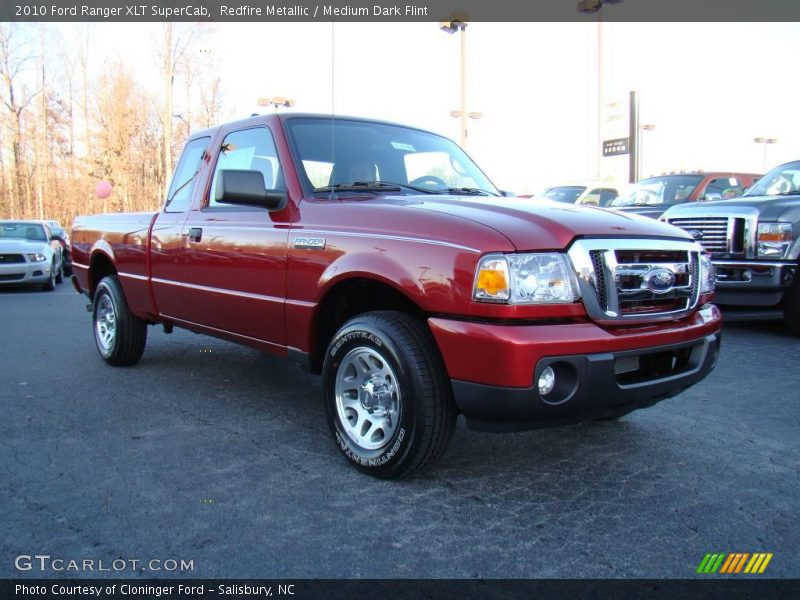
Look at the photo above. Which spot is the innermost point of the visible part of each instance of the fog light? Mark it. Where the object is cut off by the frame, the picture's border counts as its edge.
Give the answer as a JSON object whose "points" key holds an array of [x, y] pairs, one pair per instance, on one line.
{"points": [[547, 380]]}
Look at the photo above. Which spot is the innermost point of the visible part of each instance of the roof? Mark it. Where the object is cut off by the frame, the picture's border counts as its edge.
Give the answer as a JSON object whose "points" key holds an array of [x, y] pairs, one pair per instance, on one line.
{"points": [[267, 118]]}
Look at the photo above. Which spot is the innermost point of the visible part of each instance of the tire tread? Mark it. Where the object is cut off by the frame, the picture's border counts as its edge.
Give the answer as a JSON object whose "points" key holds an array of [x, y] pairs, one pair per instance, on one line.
{"points": [[131, 336], [436, 410]]}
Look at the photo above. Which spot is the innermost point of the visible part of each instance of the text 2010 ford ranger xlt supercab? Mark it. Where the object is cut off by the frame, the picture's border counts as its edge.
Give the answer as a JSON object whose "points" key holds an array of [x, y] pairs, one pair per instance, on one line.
{"points": [[383, 258]]}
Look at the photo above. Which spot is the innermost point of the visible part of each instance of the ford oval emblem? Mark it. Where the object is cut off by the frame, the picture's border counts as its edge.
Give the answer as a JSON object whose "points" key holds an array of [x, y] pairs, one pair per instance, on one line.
{"points": [[696, 234], [659, 280]]}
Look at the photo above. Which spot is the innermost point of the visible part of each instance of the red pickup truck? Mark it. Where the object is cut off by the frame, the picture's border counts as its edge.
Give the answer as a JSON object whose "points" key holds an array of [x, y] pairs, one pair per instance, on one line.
{"points": [[383, 258]]}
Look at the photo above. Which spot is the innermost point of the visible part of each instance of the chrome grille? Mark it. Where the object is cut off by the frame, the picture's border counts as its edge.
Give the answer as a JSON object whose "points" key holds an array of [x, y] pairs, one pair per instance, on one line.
{"points": [[711, 232], [598, 263], [637, 280], [10, 259]]}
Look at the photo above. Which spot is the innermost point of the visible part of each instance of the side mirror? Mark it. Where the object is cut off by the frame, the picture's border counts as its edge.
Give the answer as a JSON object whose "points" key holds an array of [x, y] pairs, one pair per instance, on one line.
{"points": [[711, 196], [56, 238], [247, 188]]}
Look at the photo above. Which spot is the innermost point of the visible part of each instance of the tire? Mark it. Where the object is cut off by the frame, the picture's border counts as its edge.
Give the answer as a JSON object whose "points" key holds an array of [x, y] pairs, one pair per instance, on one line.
{"points": [[119, 335], [60, 274], [50, 284], [387, 398], [791, 307]]}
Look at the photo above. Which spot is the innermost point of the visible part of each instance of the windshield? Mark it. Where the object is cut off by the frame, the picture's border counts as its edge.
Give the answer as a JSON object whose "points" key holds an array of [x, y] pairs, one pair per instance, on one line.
{"points": [[33, 232], [340, 152], [564, 193], [782, 180], [660, 191]]}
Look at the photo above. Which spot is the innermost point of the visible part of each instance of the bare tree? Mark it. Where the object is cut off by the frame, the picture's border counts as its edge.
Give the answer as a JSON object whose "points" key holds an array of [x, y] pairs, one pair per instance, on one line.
{"points": [[210, 100], [176, 40], [15, 57]]}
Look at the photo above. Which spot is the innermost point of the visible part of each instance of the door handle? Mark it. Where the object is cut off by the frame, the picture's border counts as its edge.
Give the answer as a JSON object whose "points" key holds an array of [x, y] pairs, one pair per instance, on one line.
{"points": [[195, 234]]}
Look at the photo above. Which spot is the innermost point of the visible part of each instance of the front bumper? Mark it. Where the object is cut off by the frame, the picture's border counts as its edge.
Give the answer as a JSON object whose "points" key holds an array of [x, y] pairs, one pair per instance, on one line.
{"points": [[753, 282], [24, 273], [599, 373]]}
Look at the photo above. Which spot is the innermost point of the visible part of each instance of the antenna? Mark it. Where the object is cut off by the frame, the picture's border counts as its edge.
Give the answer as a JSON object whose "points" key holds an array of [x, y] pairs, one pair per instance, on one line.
{"points": [[333, 109]]}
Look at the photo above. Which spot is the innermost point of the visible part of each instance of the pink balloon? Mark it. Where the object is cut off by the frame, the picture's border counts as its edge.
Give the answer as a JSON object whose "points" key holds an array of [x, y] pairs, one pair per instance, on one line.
{"points": [[103, 189]]}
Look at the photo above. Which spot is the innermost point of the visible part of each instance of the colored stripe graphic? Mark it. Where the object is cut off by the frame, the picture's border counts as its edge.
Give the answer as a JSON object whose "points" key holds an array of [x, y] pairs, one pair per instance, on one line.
{"points": [[728, 562], [767, 558], [734, 563], [710, 563], [701, 568], [741, 562]]}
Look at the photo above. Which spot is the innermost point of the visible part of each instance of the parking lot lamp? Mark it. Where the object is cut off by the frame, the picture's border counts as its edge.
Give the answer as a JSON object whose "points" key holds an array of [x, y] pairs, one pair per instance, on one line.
{"points": [[764, 141]]}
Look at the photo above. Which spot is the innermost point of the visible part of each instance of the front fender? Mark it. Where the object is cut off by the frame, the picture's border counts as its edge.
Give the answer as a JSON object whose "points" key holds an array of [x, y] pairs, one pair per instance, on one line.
{"points": [[380, 268]]}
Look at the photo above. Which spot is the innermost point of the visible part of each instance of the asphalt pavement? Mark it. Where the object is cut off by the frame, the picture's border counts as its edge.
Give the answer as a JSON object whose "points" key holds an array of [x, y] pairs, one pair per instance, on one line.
{"points": [[213, 453]]}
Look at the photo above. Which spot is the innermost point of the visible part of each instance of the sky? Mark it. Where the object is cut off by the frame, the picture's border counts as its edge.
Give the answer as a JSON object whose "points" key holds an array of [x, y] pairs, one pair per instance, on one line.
{"points": [[709, 88]]}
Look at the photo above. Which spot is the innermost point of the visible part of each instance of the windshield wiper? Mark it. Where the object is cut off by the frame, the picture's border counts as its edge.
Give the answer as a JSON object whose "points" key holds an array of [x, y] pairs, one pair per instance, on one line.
{"points": [[465, 191], [371, 186], [183, 185]]}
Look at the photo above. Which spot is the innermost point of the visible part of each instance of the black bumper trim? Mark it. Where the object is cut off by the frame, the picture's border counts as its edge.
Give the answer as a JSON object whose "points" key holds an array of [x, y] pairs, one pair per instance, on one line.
{"points": [[597, 391]]}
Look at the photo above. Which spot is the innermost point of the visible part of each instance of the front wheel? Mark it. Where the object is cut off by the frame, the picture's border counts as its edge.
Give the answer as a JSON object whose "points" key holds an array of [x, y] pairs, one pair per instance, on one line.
{"points": [[120, 336], [50, 284], [387, 398], [791, 307]]}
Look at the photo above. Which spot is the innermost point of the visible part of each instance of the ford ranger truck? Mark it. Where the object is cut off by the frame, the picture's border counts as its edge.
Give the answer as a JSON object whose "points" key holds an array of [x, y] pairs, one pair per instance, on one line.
{"points": [[382, 258], [754, 242]]}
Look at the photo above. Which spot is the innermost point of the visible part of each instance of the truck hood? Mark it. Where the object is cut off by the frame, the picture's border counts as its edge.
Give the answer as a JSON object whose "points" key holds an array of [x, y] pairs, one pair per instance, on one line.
{"points": [[769, 208], [643, 211], [542, 224]]}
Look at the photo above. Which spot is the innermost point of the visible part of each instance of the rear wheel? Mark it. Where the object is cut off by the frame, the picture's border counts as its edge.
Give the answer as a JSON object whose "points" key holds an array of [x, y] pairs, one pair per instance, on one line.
{"points": [[388, 401], [119, 335], [60, 274]]}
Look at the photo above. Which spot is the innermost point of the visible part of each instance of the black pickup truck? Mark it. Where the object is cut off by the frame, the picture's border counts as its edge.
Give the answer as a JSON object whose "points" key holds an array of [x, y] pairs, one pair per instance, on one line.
{"points": [[754, 242]]}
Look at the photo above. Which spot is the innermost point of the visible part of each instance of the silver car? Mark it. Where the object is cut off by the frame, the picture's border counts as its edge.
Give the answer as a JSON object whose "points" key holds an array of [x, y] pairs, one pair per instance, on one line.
{"points": [[30, 254]]}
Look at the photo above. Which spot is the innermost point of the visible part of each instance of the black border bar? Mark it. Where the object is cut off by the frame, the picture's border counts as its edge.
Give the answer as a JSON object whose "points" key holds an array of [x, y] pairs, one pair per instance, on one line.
{"points": [[397, 11], [741, 587]]}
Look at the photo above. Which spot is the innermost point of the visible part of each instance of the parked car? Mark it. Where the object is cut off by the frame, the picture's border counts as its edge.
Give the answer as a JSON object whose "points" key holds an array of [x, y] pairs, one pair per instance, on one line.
{"points": [[383, 258], [595, 193], [652, 196], [63, 238], [29, 254], [754, 242]]}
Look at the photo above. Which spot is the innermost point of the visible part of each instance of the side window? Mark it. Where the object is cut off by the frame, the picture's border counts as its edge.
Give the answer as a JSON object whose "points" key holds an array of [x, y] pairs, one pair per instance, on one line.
{"points": [[592, 198], [607, 196], [180, 191], [727, 187], [250, 150]]}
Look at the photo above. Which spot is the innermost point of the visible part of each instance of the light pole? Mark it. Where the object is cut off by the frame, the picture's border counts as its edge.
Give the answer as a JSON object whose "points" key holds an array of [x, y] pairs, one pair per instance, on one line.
{"points": [[648, 127], [277, 102], [590, 7], [764, 141], [450, 27]]}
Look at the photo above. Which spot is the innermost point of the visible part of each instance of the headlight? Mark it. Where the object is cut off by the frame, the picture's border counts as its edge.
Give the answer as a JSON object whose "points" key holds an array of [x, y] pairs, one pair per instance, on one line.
{"points": [[525, 279], [708, 274], [37, 257], [773, 239]]}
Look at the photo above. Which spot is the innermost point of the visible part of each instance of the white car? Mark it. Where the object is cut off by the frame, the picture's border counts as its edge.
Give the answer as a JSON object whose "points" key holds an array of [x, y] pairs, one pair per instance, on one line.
{"points": [[594, 193], [29, 254]]}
